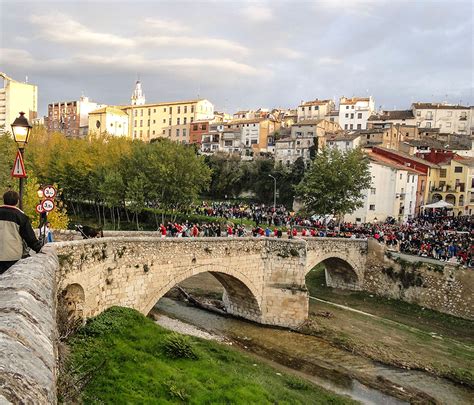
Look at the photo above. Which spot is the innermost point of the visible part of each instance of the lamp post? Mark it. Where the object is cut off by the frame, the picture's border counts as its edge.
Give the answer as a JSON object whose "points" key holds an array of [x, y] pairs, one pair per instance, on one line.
{"points": [[274, 191], [21, 129]]}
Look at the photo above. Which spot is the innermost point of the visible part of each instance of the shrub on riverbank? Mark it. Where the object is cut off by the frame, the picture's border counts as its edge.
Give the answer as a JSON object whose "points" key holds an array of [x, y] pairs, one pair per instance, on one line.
{"points": [[125, 357]]}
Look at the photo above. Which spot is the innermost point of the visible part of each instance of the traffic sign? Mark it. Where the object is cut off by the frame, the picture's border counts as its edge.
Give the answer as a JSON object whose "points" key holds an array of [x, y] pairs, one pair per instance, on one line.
{"points": [[39, 208], [49, 192], [48, 205], [18, 167]]}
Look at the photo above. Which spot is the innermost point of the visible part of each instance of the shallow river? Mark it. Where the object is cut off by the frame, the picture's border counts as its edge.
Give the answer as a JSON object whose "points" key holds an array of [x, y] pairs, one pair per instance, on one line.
{"points": [[329, 366]]}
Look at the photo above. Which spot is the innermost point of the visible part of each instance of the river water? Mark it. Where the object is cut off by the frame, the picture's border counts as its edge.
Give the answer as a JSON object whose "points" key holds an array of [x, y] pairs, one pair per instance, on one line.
{"points": [[317, 361]]}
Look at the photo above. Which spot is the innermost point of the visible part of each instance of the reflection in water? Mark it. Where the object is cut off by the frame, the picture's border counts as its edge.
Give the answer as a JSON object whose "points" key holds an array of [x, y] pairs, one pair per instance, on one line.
{"points": [[331, 362]]}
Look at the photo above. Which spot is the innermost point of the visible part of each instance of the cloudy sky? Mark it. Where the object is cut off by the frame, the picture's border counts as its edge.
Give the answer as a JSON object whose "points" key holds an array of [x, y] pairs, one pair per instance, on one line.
{"points": [[241, 54]]}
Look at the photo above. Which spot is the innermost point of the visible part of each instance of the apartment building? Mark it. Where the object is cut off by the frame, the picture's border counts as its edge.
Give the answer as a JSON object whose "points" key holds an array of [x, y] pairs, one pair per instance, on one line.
{"points": [[254, 132], [355, 111], [343, 140], [314, 110], [16, 97], [169, 120], [71, 118], [393, 192], [448, 118]]}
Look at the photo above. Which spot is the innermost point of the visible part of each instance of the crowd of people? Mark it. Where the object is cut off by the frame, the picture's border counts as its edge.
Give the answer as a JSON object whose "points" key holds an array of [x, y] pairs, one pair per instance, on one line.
{"points": [[436, 235]]}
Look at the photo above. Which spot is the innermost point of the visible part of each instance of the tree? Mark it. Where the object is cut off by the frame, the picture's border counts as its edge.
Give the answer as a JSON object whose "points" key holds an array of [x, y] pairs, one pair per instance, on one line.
{"points": [[135, 195], [335, 182]]}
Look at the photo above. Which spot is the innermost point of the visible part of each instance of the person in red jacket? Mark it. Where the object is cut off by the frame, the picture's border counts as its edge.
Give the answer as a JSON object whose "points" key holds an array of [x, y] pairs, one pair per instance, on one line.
{"points": [[295, 232], [195, 231], [163, 230]]}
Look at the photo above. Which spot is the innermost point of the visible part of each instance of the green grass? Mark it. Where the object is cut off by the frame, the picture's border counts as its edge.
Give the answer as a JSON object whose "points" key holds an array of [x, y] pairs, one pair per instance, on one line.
{"points": [[396, 310], [128, 358]]}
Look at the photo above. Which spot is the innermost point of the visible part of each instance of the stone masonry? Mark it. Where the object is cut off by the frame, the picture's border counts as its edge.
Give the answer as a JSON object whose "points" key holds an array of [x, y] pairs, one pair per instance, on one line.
{"points": [[28, 331]]}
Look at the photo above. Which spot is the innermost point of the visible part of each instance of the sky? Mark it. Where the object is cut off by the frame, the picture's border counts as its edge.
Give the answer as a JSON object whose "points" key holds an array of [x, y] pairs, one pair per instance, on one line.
{"points": [[241, 54]]}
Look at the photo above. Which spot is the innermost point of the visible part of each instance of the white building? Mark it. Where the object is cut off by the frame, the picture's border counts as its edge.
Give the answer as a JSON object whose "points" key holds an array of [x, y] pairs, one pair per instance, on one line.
{"points": [[343, 141], [16, 97], [354, 112], [448, 118], [392, 193], [314, 110], [109, 120]]}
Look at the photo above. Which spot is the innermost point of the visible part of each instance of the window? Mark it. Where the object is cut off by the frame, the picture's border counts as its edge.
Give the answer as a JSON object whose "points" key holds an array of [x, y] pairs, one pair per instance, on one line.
{"points": [[164, 120], [184, 120], [359, 115], [352, 116], [154, 110], [372, 207], [448, 125], [169, 121], [401, 176], [253, 141], [141, 123], [192, 108], [171, 110], [141, 113], [347, 115], [458, 169], [149, 111], [141, 133], [227, 143], [351, 126], [178, 121], [429, 115], [185, 109], [177, 132], [347, 107], [428, 125], [195, 127], [169, 132], [153, 132], [203, 127], [418, 113], [135, 123], [164, 109], [154, 121], [179, 109], [148, 122], [359, 126], [191, 120], [345, 126], [163, 132], [372, 191]]}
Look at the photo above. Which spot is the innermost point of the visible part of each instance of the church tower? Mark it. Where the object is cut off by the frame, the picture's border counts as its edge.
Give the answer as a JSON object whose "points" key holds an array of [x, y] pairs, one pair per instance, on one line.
{"points": [[138, 98]]}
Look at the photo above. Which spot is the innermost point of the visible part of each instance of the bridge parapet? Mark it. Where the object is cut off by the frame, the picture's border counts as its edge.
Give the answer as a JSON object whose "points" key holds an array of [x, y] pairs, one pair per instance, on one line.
{"points": [[28, 331]]}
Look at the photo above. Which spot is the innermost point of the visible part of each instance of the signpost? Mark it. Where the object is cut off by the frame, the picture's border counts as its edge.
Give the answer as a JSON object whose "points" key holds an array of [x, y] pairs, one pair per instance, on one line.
{"points": [[18, 169], [46, 204]]}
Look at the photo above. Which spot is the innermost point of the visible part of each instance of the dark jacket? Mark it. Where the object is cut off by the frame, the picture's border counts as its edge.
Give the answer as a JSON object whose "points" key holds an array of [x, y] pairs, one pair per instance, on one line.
{"points": [[15, 228]]}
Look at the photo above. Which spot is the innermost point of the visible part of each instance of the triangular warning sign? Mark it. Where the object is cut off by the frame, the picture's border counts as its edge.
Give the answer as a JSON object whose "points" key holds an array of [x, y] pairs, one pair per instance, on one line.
{"points": [[19, 167]]}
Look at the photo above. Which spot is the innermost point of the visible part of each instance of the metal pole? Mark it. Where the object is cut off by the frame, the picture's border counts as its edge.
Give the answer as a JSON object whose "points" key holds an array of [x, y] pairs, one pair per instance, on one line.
{"points": [[22, 151], [274, 190]]}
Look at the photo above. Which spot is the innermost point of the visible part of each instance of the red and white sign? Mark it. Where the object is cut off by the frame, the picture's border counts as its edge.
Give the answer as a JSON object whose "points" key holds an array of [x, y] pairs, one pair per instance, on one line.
{"points": [[39, 208], [49, 192], [48, 205], [18, 167]]}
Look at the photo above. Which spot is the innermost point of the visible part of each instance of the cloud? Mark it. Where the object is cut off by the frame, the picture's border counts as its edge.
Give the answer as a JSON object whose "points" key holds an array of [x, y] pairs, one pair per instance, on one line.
{"points": [[166, 25], [63, 29], [192, 42], [289, 53], [257, 13], [328, 60]]}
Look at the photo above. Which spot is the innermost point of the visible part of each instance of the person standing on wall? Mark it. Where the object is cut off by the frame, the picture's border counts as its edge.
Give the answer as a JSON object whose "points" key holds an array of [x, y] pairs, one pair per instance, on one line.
{"points": [[15, 227]]}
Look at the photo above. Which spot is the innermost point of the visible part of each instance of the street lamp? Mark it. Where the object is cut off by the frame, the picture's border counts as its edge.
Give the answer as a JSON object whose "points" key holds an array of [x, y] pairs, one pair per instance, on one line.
{"points": [[274, 191], [21, 129]]}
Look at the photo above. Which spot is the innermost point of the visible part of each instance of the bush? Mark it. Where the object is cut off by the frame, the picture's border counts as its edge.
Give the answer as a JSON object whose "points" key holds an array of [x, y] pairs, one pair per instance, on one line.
{"points": [[179, 347]]}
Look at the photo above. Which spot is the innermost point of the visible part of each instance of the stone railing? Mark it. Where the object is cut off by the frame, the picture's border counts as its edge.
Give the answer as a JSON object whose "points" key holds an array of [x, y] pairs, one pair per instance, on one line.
{"points": [[28, 332]]}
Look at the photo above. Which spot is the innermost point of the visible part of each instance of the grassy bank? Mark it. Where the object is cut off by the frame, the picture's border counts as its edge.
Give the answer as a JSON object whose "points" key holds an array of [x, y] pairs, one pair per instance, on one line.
{"points": [[408, 336], [127, 358]]}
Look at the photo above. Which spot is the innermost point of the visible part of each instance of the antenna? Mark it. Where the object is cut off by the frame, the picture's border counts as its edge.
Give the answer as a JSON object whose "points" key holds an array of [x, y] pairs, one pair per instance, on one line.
{"points": [[26, 79]]}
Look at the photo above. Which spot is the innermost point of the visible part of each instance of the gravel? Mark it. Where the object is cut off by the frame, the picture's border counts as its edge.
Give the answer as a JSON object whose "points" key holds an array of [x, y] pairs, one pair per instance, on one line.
{"points": [[185, 328]]}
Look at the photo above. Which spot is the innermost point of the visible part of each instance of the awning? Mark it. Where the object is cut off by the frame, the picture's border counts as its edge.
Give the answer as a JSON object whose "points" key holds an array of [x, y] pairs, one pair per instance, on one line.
{"points": [[438, 204]]}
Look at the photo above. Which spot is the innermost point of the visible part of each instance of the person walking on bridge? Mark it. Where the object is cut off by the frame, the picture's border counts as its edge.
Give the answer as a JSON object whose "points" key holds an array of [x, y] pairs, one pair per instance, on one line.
{"points": [[15, 228]]}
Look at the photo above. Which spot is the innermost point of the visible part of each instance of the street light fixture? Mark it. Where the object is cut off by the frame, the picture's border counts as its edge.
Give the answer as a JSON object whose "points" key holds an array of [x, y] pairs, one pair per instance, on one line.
{"points": [[274, 191], [21, 129]]}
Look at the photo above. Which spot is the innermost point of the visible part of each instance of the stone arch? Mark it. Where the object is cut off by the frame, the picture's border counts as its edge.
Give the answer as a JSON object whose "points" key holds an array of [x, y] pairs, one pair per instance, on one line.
{"points": [[436, 198], [461, 201], [73, 298], [241, 298], [340, 272], [450, 198]]}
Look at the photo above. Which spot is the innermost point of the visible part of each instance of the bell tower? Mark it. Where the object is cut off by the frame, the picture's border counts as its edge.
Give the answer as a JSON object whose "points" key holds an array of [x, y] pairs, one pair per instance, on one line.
{"points": [[138, 98]]}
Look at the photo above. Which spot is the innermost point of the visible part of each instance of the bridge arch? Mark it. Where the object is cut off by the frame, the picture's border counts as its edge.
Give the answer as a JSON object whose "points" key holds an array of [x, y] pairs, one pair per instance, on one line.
{"points": [[240, 298], [340, 271]]}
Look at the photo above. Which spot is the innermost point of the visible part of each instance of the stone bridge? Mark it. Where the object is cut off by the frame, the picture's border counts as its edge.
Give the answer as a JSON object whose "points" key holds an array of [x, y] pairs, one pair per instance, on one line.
{"points": [[264, 279]]}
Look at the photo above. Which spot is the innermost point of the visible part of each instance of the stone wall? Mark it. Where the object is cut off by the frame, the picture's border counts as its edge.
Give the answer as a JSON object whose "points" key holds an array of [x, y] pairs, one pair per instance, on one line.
{"points": [[444, 287], [264, 278], [28, 331]]}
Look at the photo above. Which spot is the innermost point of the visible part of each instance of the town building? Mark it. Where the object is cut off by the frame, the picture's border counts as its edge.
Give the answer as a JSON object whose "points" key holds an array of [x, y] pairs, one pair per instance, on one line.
{"points": [[343, 140], [393, 192], [305, 139], [355, 111], [71, 118], [449, 118], [109, 121], [16, 97], [394, 117], [169, 120], [197, 129], [314, 110]]}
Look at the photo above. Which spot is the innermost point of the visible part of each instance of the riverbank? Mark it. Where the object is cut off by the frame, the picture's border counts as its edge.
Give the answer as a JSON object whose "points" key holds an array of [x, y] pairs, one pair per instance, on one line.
{"points": [[398, 333], [121, 356]]}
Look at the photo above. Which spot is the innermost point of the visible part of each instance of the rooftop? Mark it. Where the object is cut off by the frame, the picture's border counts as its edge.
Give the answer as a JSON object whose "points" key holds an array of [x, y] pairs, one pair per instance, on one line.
{"points": [[341, 136], [353, 100], [385, 161], [407, 156], [109, 109], [315, 102], [439, 106], [392, 115]]}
